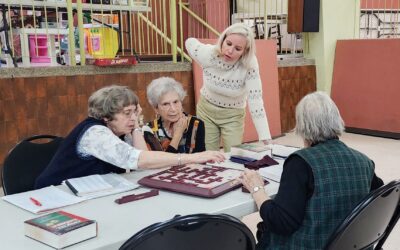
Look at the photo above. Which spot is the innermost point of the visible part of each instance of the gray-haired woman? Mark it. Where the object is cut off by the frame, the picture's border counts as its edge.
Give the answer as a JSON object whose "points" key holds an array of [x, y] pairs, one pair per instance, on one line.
{"points": [[230, 77], [110, 140], [320, 184], [172, 131]]}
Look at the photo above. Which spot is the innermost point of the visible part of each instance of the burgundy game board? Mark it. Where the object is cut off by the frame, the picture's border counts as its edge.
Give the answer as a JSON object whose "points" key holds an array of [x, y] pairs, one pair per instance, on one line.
{"points": [[195, 179]]}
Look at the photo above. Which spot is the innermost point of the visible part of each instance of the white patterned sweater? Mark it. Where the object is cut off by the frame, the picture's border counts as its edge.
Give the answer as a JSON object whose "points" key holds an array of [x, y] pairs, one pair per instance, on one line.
{"points": [[229, 85]]}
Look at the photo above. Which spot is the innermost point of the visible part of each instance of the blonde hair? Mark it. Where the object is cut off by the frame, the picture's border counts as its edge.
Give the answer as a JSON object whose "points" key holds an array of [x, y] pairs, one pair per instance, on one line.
{"points": [[244, 30]]}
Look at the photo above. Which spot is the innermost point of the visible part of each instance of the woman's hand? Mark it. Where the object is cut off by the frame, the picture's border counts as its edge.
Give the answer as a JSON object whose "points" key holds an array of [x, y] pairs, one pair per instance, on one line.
{"points": [[136, 114], [251, 179], [180, 126], [206, 156]]}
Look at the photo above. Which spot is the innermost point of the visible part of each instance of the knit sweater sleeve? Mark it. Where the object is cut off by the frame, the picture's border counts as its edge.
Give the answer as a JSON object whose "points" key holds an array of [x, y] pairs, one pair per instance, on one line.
{"points": [[201, 53], [255, 101]]}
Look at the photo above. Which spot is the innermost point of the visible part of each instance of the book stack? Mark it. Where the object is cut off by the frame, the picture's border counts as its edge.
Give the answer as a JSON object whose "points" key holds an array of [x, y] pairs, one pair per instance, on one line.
{"points": [[253, 147], [60, 229], [255, 150]]}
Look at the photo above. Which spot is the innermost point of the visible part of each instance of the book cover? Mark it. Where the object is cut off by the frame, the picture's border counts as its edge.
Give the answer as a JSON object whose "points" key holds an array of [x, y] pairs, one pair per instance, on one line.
{"points": [[60, 229]]}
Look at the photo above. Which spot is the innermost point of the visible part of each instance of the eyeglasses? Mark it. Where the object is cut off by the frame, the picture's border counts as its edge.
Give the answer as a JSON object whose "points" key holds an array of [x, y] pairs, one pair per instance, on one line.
{"points": [[169, 105], [129, 112]]}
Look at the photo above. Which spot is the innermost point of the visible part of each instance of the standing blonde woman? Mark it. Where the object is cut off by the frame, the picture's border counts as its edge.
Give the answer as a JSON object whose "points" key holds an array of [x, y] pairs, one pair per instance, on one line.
{"points": [[230, 77]]}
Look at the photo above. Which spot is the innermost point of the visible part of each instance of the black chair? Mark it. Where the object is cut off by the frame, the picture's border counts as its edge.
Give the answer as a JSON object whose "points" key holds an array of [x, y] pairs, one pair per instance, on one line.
{"points": [[370, 222], [26, 161], [194, 232]]}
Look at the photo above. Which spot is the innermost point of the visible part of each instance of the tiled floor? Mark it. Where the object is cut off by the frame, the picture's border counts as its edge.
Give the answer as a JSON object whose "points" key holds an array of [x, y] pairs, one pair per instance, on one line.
{"points": [[384, 152]]}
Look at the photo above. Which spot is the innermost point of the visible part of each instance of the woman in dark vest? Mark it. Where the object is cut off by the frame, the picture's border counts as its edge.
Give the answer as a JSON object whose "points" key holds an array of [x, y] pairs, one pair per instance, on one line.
{"points": [[110, 140], [172, 131], [320, 183]]}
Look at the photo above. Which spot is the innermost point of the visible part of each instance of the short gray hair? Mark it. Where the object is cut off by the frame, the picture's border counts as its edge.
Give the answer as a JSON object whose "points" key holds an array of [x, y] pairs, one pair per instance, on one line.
{"points": [[244, 30], [107, 101], [160, 86], [318, 118]]}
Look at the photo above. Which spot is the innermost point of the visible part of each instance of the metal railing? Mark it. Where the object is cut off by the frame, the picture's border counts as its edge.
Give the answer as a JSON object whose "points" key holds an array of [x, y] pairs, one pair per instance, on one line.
{"points": [[38, 33], [269, 19], [380, 19]]}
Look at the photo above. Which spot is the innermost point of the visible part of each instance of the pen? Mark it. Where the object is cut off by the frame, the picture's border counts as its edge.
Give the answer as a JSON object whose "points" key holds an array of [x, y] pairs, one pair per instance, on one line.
{"points": [[36, 202]]}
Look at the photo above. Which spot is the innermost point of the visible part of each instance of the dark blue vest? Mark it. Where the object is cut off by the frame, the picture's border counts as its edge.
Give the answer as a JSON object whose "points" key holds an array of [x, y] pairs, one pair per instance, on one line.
{"points": [[68, 163]]}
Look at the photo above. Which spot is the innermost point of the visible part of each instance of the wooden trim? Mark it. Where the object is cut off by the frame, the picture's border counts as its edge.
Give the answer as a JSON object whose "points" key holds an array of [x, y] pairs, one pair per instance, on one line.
{"points": [[295, 16]]}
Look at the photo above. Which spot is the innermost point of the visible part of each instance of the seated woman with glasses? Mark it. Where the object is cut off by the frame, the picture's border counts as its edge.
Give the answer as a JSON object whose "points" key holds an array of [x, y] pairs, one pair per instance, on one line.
{"points": [[172, 131], [110, 140]]}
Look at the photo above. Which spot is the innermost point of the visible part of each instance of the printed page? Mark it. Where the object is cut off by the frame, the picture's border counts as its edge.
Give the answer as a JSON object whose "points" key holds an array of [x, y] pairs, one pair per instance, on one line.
{"points": [[89, 184], [42, 200], [118, 185]]}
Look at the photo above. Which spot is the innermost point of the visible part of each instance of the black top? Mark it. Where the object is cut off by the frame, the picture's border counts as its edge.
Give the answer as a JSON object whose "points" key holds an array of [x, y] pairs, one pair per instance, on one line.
{"points": [[284, 214]]}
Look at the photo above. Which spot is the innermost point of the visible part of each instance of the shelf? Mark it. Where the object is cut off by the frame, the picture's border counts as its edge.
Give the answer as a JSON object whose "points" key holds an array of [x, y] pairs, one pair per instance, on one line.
{"points": [[85, 6]]}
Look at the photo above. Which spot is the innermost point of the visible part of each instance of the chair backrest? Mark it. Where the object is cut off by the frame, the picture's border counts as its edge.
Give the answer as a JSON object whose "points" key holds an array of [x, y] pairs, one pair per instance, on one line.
{"points": [[195, 232], [26, 161], [370, 222]]}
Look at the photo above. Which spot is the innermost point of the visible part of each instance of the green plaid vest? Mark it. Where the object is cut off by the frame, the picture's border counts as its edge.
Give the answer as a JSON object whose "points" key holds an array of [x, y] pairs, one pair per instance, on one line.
{"points": [[342, 177]]}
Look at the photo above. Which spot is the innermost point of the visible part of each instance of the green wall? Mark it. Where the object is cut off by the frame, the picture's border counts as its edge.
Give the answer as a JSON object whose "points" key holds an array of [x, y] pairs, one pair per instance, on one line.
{"points": [[339, 19]]}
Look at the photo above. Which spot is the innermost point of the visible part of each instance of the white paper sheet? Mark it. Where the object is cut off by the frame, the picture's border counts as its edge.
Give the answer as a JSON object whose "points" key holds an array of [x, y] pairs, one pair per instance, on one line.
{"points": [[49, 198]]}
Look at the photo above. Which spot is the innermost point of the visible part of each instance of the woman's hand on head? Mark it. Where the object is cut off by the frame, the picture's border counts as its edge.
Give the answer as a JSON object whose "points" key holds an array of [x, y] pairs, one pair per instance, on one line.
{"points": [[136, 115], [180, 126], [207, 156], [138, 110]]}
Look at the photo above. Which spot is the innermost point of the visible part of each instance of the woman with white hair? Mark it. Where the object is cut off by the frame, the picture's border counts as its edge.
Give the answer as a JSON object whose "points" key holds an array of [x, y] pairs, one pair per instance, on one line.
{"points": [[320, 183], [173, 130], [230, 77]]}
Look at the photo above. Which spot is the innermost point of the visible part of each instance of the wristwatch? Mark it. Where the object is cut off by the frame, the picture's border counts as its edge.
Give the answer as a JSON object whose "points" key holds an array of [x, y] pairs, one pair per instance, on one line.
{"points": [[256, 189]]}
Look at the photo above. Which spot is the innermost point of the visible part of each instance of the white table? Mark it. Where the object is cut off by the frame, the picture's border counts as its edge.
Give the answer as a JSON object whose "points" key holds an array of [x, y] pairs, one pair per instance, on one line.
{"points": [[117, 223]]}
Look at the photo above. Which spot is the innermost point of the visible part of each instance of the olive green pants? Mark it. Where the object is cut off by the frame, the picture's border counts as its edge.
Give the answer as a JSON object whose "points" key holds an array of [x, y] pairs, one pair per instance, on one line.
{"points": [[225, 123]]}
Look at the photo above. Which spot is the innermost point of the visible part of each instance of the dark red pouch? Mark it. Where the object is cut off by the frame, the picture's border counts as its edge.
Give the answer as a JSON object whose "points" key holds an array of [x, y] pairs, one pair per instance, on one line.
{"points": [[266, 161]]}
